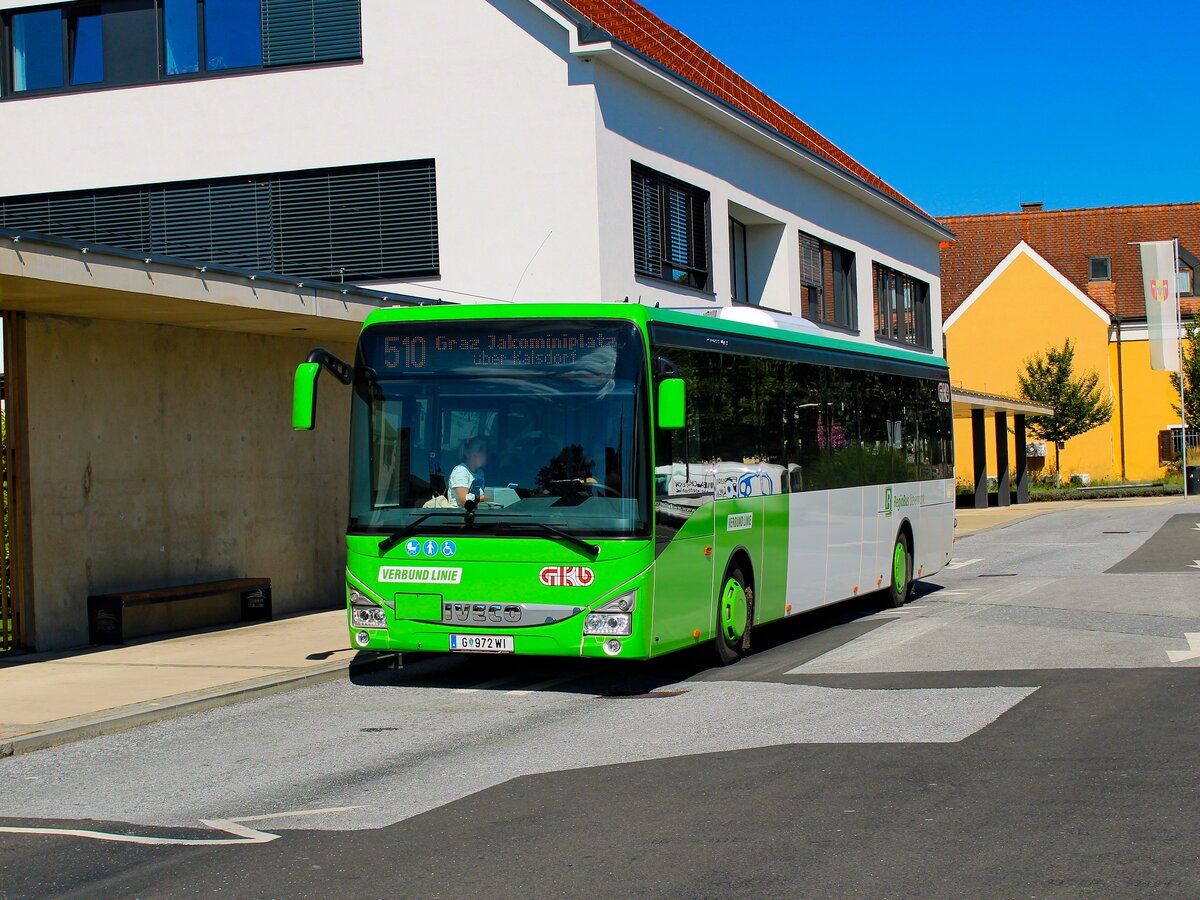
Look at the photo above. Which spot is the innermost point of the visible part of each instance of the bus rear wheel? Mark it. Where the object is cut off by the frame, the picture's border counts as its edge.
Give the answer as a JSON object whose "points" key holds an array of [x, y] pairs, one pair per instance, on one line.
{"points": [[900, 584], [735, 614]]}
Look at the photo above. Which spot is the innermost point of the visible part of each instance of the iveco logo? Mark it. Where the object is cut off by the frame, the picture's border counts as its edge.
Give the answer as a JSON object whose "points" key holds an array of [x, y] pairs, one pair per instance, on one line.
{"points": [[483, 613], [566, 576]]}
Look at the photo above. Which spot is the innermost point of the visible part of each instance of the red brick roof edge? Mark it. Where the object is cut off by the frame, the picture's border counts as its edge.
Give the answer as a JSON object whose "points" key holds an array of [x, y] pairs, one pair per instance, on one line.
{"points": [[1067, 239], [632, 25]]}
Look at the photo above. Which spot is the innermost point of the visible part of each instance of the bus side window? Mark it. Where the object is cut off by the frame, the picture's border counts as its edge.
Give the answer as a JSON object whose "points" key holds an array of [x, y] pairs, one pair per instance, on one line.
{"points": [[678, 452], [674, 451]]}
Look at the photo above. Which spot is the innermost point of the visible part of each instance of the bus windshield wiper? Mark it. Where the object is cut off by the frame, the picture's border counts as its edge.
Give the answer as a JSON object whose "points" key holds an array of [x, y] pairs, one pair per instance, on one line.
{"points": [[396, 537], [591, 549], [389, 542]]}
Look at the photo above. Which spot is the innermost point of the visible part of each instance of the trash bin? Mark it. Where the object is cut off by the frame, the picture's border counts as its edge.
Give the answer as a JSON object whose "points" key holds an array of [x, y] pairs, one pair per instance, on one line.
{"points": [[1193, 481]]}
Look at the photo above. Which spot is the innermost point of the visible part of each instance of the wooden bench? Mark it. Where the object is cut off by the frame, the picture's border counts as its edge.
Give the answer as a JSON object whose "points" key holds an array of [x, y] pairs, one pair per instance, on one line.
{"points": [[106, 621]]}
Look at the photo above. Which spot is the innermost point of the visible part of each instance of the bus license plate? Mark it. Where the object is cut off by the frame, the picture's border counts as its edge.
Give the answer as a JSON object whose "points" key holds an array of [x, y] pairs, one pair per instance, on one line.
{"points": [[481, 643]]}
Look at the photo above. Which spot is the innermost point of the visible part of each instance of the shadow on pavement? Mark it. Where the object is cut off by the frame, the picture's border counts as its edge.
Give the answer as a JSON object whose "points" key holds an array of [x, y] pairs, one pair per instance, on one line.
{"points": [[805, 635]]}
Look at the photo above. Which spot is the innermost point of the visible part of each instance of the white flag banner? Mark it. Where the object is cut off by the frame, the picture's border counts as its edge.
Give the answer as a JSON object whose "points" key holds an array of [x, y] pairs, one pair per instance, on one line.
{"points": [[1162, 304]]}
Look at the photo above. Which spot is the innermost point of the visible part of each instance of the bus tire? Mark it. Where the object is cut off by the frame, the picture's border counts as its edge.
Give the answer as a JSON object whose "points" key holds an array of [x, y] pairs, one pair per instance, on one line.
{"points": [[900, 580], [735, 616]]}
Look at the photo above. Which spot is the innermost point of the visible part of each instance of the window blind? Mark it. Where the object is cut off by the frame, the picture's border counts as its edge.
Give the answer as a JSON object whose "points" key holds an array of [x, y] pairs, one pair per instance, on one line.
{"points": [[353, 223], [305, 31]]}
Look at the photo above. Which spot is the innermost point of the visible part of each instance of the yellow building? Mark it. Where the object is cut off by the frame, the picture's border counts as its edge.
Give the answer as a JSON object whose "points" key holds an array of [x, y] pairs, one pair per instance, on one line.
{"points": [[1017, 284]]}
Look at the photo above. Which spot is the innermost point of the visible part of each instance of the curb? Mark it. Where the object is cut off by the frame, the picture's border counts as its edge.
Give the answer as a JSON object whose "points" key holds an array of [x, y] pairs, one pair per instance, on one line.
{"points": [[67, 731]]}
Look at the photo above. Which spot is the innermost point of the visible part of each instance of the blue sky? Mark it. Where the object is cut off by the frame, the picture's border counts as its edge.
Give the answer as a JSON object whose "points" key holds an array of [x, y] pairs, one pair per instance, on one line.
{"points": [[975, 107]]}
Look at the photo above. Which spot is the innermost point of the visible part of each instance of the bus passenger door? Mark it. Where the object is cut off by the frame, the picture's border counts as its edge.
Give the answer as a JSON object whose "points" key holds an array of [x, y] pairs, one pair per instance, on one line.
{"points": [[683, 544]]}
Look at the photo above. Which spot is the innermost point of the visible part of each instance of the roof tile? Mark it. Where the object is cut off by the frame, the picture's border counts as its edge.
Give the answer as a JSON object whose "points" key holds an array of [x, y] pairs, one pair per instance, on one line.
{"points": [[1067, 238]]}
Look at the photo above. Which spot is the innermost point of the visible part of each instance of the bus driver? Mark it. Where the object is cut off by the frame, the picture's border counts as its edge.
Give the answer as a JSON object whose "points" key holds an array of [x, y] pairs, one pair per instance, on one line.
{"points": [[466, 479]]}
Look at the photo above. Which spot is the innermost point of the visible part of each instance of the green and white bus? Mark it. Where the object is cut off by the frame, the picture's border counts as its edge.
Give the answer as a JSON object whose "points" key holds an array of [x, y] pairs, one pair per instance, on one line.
{"points": [[611, 480]]}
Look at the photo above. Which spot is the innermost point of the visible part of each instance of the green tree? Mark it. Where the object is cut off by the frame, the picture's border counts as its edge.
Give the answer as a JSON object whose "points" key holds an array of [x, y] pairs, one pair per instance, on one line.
{"points": [[1191, 376], [1079, 405]]}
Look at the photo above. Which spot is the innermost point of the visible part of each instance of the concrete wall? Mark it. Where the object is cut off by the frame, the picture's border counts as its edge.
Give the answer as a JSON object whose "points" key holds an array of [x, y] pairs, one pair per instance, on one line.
{"points": [[162, 455]]}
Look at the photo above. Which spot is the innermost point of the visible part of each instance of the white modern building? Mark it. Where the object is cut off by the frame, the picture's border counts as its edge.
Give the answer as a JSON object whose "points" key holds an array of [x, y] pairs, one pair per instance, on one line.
{"points": [[251, 176]]}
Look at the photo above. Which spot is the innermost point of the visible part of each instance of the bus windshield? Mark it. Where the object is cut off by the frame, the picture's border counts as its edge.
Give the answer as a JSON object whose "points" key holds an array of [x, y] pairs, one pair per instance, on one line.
{"points": [[539, 422]]}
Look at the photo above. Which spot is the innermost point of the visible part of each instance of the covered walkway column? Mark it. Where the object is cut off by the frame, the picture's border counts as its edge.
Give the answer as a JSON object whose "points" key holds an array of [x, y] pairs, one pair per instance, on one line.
{"points": [[979, 441], [1022, 458], [1003, 486], [976, 406]]}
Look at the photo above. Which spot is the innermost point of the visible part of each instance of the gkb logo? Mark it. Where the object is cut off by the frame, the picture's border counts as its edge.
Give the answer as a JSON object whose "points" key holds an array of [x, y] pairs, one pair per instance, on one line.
{"points": [[413, 547]]}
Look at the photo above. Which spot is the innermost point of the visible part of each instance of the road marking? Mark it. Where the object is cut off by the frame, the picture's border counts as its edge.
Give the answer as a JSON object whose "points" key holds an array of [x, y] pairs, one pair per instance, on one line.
{"points": [[961, 563], [496, 682], [541, 686], [488, 685], [1195, 564], [1193, 651], [1198, 526], [243, 834]]}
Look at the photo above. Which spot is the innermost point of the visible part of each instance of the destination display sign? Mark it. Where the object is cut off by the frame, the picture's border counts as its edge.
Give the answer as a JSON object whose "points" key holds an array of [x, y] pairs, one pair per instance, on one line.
{"points": [[463, 347]]}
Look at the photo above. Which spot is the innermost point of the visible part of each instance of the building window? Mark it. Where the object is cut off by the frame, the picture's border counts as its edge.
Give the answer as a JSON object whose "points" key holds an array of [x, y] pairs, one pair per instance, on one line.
{"points": [[352, 223], [828, 289], [670, 229], [739, 270], [181, 37], [37, 50], [46, 55], [223, 34], [1188, 264], [87, 48], [232, 34], [1170, 443], [125, 42], [902, 308], [1099, 268]]}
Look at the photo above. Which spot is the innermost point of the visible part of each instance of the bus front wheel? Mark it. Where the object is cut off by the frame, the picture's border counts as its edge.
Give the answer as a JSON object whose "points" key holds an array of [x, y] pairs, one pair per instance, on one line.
{"points": [[900, 584], [735, 615]]}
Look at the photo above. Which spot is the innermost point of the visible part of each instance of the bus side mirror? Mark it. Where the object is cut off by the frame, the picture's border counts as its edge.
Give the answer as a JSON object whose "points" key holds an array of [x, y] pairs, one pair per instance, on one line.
{"points": [[304, 396], [304, 391], [672, 405]]}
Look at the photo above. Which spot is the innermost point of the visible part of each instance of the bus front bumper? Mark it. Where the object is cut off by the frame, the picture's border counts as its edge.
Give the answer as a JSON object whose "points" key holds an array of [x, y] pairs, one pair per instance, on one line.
{"points": [[565, 638]]}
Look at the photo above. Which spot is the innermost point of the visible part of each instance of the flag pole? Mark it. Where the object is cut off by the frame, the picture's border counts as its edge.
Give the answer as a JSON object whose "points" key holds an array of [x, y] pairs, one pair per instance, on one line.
{"points": [[1182, 373]]}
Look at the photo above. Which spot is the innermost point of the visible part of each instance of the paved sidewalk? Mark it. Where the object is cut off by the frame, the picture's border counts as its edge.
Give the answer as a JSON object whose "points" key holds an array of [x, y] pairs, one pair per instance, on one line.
{"points": [[970, 521], [52, 698]]}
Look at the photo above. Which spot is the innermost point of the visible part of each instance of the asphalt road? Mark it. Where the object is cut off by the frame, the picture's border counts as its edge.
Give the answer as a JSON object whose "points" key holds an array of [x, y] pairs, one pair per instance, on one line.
{"points": [[1028, 727]]}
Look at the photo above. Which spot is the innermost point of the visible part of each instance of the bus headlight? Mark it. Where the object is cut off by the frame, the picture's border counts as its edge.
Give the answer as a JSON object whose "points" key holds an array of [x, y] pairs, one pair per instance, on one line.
{"points": [[608, 623], [623, 604], [368, 617]]}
